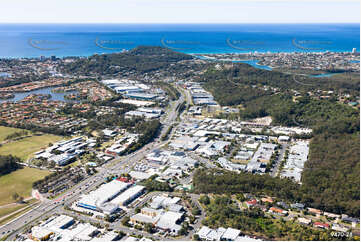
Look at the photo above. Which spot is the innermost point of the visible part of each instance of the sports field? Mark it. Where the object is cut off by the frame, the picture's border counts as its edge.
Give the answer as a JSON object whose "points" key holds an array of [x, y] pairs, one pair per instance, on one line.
{"points": [[19, 181], [26, 147]]}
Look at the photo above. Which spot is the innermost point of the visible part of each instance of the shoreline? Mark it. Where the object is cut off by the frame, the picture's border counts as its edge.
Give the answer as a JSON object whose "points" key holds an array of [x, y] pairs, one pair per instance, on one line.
{"points": [[190, 53]]}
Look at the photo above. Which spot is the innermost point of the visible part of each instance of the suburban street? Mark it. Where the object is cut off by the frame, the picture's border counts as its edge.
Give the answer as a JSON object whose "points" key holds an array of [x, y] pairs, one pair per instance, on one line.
{"points": [[120, 165], [279, 160]]}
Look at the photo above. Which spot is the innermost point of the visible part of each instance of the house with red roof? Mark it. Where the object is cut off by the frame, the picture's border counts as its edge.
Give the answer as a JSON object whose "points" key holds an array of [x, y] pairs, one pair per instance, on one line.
{"points": [[251, 203], [278, 211], [321, 225]]}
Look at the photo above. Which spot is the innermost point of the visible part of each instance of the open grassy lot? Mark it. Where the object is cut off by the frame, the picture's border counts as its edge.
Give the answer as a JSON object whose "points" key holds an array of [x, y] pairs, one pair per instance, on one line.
{"points": [[15, 215], [242, 162], [8, 210], [26, 147], [5, 131], [19, 181]]}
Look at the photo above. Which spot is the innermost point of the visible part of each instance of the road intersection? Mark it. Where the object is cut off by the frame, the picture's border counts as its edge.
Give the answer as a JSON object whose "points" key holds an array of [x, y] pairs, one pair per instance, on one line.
{"points": [[120, 165]]}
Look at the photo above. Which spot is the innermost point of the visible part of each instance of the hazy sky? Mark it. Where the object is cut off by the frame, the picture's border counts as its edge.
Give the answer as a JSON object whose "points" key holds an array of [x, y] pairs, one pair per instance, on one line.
{"points": [[178, 11]]}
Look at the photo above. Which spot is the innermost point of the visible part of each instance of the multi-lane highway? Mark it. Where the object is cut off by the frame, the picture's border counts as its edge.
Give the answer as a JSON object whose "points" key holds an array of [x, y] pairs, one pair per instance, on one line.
{"points": [[119, 165]]}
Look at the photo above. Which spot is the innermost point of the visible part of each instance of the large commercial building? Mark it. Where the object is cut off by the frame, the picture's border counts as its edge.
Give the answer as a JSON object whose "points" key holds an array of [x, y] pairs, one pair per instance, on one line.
{"points": [[68, 150], [141, 96], [135, 113], [51, 226], [129, 195], [96, 200]]}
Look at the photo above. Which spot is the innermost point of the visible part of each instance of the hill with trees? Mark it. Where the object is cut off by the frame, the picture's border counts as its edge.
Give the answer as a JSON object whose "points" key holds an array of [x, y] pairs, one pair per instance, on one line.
{"points": [[237, 82], [140, 59]]}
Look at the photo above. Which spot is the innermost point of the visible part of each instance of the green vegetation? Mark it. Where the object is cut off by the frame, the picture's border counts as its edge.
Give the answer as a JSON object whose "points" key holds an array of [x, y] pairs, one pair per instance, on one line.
{"points": [[7, 210], [26, 147], [181, 107], [330, 180], [153, 185], [228, 84], [125, 221], [19, 181], [7, 131], [149, 131], [331, 177], [13, 208], [228, 93], [46, 184], [42, 129], [171, 91], [227, 182], [223, 212], [318, 114], [8, 164], [140, 59], [165, 136], [15, 215], [351, 77], [17, 135], [204, 199]]}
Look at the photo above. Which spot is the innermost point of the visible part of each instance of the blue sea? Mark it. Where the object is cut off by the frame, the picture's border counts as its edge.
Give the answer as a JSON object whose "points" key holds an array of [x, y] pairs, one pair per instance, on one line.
{"points": [[35, 40]]}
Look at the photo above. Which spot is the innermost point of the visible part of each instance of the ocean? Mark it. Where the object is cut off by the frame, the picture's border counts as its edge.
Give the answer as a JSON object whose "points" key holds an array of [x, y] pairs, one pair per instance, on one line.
{"points": [[35, 40]]}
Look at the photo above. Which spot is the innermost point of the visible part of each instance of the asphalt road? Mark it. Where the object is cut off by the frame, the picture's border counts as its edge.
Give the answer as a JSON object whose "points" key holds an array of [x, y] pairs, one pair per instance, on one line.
{"points": [[279, 160], [119, 165]]}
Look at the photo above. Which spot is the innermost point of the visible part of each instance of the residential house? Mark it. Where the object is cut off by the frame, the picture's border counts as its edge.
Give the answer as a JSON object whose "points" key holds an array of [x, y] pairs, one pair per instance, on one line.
{"points": [[321, 225], [251, 203]]}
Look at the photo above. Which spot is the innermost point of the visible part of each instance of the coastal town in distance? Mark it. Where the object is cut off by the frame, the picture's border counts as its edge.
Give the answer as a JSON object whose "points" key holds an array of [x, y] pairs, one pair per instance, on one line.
{"points": [[177, 138]]}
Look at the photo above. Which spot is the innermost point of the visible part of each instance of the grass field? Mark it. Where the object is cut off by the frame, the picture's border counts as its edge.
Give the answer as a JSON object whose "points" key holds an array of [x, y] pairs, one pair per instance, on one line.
{"points": [[8, 210], [26, 147], [5, 131], [19, 181], [15, 215]]}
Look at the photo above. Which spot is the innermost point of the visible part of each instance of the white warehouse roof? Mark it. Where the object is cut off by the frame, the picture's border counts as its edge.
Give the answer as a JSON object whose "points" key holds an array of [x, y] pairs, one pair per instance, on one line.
{"points": [[128, 195], [231, 234], [104, 193]]}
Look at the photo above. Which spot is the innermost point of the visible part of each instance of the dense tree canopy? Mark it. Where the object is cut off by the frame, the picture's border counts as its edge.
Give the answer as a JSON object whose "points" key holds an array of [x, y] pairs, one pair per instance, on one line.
{"points": [[331, 176], [224, 212], [140, 59], [220, 182], [234, 78], [8, 164]]}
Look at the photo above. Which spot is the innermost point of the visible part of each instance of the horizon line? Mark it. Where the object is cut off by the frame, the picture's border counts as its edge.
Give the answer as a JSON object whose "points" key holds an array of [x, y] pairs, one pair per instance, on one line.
{"points": [[179, 23]]}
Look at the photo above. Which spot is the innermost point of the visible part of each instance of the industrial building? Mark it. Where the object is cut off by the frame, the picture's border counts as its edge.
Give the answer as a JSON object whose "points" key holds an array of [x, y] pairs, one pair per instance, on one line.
{"points": [[141, 96], [129, 195], [122, 144], [68, 150], [140, 114], [127, 89], [163, 220], [51, 226], [222, 234], [164, 213], [296, 160], [97, 200]]}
